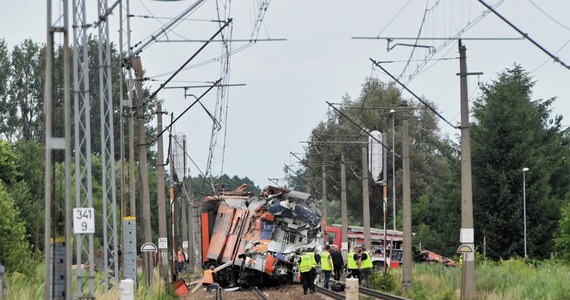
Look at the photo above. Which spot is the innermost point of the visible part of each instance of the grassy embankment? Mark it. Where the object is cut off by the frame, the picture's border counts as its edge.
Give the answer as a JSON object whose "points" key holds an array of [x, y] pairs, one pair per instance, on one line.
{"points": [[508, 279], [18, 287]]}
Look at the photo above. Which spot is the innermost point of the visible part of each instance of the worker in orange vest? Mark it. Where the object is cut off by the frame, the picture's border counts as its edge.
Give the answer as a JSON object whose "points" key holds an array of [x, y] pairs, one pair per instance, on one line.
{"points": [[208, 279], [181, 258]]}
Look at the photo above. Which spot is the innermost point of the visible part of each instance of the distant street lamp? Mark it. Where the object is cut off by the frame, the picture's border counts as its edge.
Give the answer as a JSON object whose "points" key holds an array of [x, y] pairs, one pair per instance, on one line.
{"points": [[392, 111], [525, 169]]}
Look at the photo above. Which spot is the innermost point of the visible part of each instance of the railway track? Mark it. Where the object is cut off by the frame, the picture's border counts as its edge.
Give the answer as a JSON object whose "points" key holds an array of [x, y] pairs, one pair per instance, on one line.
{"points": [[259, 294], [329, 293], [378, 294]]}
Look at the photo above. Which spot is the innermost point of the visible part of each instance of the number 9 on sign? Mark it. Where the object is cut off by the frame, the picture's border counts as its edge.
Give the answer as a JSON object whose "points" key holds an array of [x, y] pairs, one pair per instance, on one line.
{"points": [[83, 220]]}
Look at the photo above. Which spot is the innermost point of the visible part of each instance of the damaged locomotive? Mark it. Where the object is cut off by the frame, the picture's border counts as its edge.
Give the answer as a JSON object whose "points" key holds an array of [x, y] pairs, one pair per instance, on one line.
{"points": [[255, 238]]}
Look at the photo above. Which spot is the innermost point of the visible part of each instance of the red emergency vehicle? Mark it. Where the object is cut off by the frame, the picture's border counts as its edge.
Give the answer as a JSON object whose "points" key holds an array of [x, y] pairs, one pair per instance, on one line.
{"points": [[392, 254]]}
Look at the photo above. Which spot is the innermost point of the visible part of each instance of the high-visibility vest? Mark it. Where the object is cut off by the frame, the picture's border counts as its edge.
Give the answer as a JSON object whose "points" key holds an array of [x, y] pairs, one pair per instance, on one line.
{"points": [[208, 277], [367, 263], [325, 255], [351, 263], [307, 262], [181, 256]]}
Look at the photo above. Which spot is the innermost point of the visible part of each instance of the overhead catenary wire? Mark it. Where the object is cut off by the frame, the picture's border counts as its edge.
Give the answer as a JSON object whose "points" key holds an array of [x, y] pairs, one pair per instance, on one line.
{"points": [[416, 41], [413, 94], [336, 154], [189, 60], [222, 91], [188, 108], [457, 35], [545, 61], [362, 128], [314, 171], [143, 44], [548, 16], [555, 58], [302, 179]]}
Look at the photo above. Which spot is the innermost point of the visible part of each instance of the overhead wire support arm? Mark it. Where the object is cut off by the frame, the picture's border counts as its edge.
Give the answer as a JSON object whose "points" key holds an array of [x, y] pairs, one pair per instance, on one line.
{"points": [[108, 11], [437, 38], [188, 108], [163, 30], [220, 41], [162, 86], [413, 94], [430, 48], [362, 128], [525, 35]]}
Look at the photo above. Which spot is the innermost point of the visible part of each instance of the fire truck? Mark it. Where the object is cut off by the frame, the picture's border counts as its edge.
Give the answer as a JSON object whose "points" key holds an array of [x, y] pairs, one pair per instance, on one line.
{"points": [[387, 253]]}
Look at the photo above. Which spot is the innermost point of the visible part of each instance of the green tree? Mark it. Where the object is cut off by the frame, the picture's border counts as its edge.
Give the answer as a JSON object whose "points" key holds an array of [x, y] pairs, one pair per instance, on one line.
{"points": [[371, 110], [27, 90], [4, 77], [15, 251], [8, 163], [511, 132], [562, 237], [22, 97]]}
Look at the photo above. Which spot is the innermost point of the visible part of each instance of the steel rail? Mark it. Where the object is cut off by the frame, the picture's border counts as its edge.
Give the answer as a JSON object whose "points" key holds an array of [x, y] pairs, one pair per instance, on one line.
{"points": [[219, 295], [378, 294], [329, 293], [260, 294]]}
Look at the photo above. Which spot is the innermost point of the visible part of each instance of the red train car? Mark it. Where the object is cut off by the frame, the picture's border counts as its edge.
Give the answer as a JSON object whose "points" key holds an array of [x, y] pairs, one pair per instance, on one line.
{"points": [[355, 237]]}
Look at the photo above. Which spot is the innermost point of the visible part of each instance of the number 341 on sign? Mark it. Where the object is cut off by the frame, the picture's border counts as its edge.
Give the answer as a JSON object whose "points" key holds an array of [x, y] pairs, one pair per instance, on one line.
{"points": [[83, 220]]}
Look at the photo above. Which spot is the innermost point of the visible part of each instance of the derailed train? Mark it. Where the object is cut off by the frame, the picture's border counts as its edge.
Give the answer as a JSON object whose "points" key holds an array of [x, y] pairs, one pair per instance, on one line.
{"points": [[257, 237]]}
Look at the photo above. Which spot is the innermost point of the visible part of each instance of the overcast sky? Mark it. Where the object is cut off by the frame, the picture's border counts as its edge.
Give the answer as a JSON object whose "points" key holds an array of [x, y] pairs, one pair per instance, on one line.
{"points": [[288, 82]]}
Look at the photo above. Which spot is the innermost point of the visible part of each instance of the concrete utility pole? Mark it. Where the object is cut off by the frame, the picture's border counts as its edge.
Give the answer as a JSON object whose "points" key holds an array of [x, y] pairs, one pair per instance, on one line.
{"points": [[392, 111], [162, 234], [325, 200], [58, 257], [143, 169], [172, 216], [467, 230], [183, 227], [343, 208], [406, 205], [191, 226], [365, 197], [385, 200]]}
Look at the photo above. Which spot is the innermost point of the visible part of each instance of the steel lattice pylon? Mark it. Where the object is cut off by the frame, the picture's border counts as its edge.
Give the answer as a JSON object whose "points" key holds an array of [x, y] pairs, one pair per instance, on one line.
{"points": [[110, 249], [83, 174]]}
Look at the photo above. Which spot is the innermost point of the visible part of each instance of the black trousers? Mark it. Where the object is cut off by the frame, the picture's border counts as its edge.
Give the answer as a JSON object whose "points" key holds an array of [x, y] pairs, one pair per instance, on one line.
{"points": [[308, 280], [354, 273], [337, 271]]}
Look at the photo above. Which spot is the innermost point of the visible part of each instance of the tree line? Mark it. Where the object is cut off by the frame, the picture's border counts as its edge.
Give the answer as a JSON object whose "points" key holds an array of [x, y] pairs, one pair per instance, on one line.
{"points": [[22, 69], [509, 131]]}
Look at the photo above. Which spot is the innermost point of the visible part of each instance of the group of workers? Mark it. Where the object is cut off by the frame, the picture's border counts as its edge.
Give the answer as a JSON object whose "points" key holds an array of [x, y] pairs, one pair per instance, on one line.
{"points": [[359, 266]]}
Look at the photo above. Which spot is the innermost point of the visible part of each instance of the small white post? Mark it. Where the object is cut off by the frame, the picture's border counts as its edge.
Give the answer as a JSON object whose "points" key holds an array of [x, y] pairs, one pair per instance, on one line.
{"points": [[127, 288], [351, 290]]}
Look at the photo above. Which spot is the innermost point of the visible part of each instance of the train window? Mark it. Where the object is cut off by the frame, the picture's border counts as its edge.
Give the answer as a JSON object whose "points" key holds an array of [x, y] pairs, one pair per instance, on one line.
{"points": [[235, 225], [266, 229], [332, 237], [219, 222], [226, 223]]}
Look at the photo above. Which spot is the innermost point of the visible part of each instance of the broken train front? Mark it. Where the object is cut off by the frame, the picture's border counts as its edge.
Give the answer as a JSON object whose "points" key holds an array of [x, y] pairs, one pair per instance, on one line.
{"points": [[257, 238]]}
